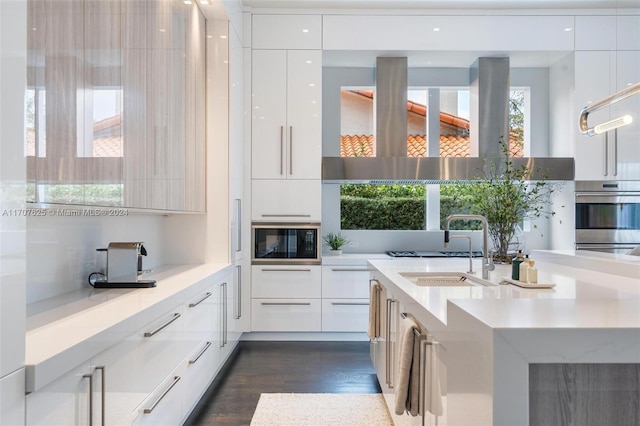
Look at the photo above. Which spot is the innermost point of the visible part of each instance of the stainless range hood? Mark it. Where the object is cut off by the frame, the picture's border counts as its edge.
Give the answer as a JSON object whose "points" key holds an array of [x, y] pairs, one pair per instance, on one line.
{"points": [[490, 85]]}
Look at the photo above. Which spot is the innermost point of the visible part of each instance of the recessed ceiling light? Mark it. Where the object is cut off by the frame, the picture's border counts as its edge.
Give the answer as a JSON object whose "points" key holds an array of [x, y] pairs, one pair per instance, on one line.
{"points": [[566, 30], [187, 2], [308, 61], [305, 30], [436, 29], [223, 36], [312, 84]]}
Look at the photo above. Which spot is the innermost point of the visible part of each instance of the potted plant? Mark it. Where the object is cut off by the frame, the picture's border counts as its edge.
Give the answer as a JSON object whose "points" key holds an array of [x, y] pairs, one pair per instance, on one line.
{"points": [[505, 197], [335, 242]]}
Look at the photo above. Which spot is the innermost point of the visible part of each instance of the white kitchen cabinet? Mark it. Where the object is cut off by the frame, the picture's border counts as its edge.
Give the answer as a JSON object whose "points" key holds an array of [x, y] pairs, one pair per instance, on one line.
{"points": [[345, 298], [12, 399], [628, 36], [286, 31], [614, 155], [286, 114], [285, 315], [595, 33], [292, 281], [286, 200], [164, 405], [65, 401], [136, 367]]}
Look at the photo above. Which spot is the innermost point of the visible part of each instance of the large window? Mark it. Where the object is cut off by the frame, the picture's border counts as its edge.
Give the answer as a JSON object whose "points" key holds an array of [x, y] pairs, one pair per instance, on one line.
{"points": [[406, 207]]}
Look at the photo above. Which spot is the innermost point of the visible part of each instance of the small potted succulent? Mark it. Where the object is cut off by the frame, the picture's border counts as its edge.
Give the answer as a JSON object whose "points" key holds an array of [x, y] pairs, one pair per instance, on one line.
{"points": [[335, 242]]}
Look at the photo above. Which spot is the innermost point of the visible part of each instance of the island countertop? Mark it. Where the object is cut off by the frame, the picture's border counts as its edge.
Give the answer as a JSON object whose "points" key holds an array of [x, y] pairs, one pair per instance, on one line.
{"points": [[493, 338], [579, 294]]}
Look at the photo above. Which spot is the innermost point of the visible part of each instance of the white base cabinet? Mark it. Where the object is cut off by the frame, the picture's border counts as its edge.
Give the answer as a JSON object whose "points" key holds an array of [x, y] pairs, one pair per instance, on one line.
{"points": [[155, 376], [12, 401], [345, 298]]}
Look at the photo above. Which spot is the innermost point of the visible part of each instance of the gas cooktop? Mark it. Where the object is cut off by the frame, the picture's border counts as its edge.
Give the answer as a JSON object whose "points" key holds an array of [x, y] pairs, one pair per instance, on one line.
{"points": [[412, 253]]}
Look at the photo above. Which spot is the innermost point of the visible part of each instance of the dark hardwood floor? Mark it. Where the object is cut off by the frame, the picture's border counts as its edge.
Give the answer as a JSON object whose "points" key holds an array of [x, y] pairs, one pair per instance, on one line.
{"points": [[283, 367]]}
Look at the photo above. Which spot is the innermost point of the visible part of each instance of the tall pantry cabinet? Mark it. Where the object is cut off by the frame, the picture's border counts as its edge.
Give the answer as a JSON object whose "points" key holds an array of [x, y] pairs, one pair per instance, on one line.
{"points": [[607, 59], [286, 111]]}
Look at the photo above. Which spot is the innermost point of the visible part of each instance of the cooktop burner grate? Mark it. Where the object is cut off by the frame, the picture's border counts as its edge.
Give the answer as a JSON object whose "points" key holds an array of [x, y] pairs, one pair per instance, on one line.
{"points": [[413, 253]]}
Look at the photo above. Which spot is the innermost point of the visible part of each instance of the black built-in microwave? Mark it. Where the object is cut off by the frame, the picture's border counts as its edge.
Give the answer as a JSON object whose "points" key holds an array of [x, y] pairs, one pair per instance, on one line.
{"points": [[293, 243]]}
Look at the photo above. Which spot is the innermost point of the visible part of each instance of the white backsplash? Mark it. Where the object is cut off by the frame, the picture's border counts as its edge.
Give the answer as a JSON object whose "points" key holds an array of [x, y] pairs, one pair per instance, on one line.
{"points": [[61, 251]]}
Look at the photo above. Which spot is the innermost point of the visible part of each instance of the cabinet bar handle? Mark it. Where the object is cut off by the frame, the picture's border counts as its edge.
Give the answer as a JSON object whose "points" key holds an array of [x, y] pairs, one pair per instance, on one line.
{"points": [[238, 304], [605, 157], [206, 346], [350, 303], [286, 215], [281, 149], [226, 312], [90, 378], [206, 296], [388, 343], [285, 303], [290, 150], [102, 393], [157, 330], [615, 152], [176, 379], [285, 270], [351, 270], [239, 225]]}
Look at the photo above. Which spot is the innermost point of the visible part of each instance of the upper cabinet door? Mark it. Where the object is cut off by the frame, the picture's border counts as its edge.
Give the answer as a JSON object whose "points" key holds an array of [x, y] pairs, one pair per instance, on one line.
{"points": [[626, 149], [286, 114], [287, 32], [304, 113], [269, 114]]}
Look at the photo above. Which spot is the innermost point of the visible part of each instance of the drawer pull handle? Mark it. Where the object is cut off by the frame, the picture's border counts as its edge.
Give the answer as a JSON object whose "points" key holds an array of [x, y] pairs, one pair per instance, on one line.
{"points": [[102, 393], [286, 303], [206, 296], [206, 346], [350, 303], [286, 215], [285, 270], [90, 378], [351, 270], [157, 330], [176, 379]]}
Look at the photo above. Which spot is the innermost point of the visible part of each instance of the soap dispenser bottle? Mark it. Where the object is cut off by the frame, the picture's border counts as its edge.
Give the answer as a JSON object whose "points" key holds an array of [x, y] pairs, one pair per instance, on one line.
{"points": [[523, 269], [515, 266], [532, 273]]}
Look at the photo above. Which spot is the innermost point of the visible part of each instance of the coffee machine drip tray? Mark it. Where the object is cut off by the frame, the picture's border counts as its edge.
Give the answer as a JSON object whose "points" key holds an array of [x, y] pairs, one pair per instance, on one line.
{"points": [[132, 284]]}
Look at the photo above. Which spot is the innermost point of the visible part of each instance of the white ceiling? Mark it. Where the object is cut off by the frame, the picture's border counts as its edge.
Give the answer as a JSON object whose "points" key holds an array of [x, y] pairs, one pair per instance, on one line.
{"points": [[441, 4]]}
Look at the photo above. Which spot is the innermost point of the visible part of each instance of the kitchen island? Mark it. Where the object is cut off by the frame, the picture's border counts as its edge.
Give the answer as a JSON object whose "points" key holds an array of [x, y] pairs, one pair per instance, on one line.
{"points": [[514, 356]]}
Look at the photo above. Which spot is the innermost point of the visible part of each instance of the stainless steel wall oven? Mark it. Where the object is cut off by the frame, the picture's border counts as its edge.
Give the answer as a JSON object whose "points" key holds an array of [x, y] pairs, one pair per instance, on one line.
{"points": [[291, 243], [607, 215]]}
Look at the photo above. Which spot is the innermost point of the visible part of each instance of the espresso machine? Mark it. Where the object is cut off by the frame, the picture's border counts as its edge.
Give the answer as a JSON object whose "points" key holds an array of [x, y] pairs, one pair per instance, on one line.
{"points": [[124, 267]]}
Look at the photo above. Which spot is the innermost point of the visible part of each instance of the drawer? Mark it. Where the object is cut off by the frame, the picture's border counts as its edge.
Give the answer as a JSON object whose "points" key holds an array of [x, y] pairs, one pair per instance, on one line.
{"points": [[345, 315], [350, 282], [199, 313], [163, 406], [199, 369], [285, 314], [287, 281]]}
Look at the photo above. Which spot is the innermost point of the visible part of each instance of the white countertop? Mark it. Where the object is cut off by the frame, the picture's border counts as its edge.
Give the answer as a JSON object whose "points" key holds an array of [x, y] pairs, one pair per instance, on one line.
{"points": [[69, 329], [581, 298]]}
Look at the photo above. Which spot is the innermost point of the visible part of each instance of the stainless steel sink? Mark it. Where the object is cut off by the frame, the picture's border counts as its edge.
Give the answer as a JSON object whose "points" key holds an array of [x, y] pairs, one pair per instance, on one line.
{"points": [[444, 279]]}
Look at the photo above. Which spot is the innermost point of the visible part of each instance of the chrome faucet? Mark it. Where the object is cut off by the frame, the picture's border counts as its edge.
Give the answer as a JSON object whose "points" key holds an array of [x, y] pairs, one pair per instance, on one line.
{"points": [[470, 271], [487, 265]]}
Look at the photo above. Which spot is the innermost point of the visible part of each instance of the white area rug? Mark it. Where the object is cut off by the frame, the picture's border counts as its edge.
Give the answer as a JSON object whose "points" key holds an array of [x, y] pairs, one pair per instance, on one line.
{"points": [[314, 409]]}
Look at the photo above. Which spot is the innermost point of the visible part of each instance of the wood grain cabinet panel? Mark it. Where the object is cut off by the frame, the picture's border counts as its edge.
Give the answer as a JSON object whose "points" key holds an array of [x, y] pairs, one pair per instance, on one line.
{"points": [[115, 103]]}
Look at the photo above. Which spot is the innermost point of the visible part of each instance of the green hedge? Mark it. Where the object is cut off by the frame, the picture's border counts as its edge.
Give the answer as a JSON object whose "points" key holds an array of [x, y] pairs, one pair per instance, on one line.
{"points": [[400, 207]]}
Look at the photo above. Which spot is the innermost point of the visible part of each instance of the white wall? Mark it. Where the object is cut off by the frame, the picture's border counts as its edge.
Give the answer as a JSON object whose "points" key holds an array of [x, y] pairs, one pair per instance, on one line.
{"points": [[61, 251]]}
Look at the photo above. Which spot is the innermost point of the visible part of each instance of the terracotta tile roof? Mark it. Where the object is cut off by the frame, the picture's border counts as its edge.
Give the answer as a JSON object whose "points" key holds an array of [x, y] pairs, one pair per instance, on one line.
{"points": [[107, 146], [450, 146]]}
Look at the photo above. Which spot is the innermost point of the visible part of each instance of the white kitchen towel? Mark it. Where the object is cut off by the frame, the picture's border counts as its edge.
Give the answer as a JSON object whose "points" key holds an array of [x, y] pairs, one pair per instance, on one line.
{"points": [[374, 310], [408, 378]]}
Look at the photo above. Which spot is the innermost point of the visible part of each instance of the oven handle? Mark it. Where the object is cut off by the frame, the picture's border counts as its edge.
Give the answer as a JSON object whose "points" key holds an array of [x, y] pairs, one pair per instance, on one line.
{"points": [[607, 194], [604, 246]]}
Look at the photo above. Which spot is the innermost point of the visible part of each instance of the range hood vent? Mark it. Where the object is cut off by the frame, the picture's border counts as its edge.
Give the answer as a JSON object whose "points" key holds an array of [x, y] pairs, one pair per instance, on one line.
{"points": [[490, 85]]}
